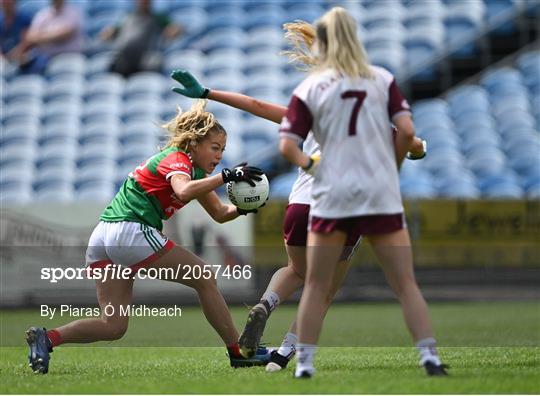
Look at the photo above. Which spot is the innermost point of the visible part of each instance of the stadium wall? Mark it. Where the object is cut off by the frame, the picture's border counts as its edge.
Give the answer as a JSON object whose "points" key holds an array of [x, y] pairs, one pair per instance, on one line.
{"points": [[444, 233]]}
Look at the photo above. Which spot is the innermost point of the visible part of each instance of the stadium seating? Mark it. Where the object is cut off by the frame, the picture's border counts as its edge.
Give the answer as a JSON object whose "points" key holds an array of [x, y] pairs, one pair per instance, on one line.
{"points": [[79, 108]]}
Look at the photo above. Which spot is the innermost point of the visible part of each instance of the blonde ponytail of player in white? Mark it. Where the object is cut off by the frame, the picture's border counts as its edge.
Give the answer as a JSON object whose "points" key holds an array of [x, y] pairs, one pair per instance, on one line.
{"points": [[338, 45]]}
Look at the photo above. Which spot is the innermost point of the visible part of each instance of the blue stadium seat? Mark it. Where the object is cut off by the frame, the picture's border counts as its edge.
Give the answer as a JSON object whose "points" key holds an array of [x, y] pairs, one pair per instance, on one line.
{"points": [[55, 171], [221, 38], [423, 42], [65, 89], [191, 60], [25, 86], [28, 132], [268, 15], [59, 131], [134, 156], [504, 191], [525, 159], [147, 108], [29, 108], [16, 170], [497, 9], [463, 21], [516, 121], [430, 106], [145, 83], [96, 131], [16, 192], [95, 191], [17, 151], [72, 63], [231, 59], [421, 11], [232, 18], [58, 191], [192, 19], [102, 170], [458, 189], [417, 188], [529, 63], [309, 11], [262, 61], [89, 153], [443, 158], [109, 83], [97, 111], [499, 78], [391, 57], [264, 37], [227, 81], [59, 108], [98, 63]]}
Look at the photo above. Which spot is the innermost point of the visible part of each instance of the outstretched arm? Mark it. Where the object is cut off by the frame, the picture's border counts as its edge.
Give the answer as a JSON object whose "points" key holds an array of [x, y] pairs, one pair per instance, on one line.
{"points": [[192, 88], [259, 108]]}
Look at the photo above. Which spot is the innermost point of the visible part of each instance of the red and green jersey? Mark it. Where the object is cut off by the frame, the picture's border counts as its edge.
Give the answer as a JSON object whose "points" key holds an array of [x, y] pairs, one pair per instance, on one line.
{"points": [[147, 196]]}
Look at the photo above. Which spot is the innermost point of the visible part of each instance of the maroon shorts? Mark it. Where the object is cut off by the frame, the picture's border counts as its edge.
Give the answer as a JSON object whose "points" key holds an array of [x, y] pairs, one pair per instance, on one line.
{"points": [[356, 227], [295, 229]]}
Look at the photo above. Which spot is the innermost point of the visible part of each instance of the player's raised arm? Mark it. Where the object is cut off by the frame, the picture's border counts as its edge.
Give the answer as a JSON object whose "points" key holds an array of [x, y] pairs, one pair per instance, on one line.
{"points": [[192, 88]]}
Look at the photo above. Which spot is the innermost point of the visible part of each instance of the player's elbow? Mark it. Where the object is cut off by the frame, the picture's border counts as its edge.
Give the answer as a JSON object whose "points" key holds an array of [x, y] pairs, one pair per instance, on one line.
{"points": [[184, 195]]}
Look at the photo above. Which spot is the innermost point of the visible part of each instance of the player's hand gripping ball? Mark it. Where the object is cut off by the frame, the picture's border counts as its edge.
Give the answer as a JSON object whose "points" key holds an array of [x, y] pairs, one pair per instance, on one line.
{"points": [[246, 197]]}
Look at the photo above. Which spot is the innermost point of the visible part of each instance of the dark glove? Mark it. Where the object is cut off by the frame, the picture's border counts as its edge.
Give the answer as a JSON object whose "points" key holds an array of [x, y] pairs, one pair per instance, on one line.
{"points": [[192, 88], [242, 172], [243, 212]]}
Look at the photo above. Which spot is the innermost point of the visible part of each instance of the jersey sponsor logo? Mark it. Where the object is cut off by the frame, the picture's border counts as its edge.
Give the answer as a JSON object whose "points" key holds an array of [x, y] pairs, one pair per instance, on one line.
{"points": [[180, 166]]}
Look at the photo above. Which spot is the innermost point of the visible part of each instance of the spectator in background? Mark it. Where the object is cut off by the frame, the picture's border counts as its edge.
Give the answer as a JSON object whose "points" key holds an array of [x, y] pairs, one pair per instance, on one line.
{"points": [[55, 30], [137, 39], [13, 27]]}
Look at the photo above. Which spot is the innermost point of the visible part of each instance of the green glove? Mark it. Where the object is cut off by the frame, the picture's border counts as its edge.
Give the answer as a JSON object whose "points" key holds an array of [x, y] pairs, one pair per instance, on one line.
{"points": [[192, 88]]}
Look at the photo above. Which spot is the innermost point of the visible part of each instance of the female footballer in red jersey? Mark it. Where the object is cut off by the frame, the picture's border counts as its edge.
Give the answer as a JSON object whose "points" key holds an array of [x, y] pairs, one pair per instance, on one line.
{"points": [[349, 107], [129, 234], [286, 280]]}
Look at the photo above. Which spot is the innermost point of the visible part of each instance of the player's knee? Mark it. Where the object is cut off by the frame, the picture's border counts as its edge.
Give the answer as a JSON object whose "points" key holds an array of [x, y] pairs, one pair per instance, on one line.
{"points": [[116, 329], [299, 272], [202, 284]]}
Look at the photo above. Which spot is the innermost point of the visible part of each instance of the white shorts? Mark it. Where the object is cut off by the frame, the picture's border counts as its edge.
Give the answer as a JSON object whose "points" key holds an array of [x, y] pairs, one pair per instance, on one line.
{"points": [[125, 243]]}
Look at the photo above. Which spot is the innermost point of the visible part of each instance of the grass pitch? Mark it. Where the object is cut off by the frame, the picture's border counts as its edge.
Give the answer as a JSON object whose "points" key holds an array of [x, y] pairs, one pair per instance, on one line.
{"points": [[491, 348]]}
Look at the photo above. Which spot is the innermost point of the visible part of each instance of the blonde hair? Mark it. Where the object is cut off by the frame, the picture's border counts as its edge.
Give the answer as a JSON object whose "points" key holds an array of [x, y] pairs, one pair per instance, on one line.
{"points": [[189, 128], [339, 46], [300, 35]]}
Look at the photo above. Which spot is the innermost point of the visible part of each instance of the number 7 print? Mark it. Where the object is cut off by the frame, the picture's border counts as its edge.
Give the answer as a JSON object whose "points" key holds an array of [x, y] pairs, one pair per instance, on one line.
{"points": [[360, 96]]}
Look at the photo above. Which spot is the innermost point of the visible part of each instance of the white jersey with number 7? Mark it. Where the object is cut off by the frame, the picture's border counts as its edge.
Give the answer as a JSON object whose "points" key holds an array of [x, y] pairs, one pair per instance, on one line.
{"points": [[351, 121]]}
